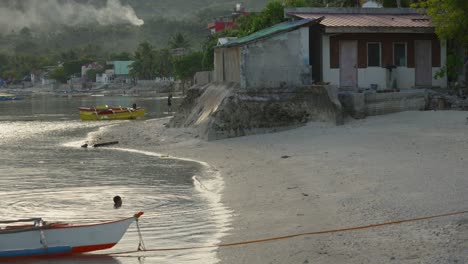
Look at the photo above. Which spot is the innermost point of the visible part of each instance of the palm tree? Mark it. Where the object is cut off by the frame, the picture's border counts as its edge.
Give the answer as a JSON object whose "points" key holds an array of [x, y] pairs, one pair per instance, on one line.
{"points": [[179, 40], [144, 65]]}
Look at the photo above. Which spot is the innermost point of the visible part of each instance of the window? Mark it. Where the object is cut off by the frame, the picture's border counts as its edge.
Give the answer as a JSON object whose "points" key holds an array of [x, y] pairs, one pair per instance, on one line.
{"points": [[373, 54], [399, 54]]}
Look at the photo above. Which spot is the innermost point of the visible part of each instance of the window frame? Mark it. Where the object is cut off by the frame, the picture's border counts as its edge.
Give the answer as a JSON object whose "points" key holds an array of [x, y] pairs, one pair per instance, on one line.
{"points": [[406, 54], [380, 54]]}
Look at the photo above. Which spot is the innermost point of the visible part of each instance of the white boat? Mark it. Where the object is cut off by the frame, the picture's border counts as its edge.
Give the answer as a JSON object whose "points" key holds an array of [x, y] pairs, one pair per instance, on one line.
{"points": [[43, 239]]}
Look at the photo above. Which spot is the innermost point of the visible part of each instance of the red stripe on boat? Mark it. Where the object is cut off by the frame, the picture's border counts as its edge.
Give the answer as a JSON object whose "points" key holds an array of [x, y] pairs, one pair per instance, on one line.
{"points": [[83, 249]]}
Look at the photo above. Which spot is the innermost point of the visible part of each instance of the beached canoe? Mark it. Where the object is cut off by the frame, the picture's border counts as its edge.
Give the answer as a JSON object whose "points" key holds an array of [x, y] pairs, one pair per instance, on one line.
{"points": [[9, 97], [43, 239], [110, 113]]}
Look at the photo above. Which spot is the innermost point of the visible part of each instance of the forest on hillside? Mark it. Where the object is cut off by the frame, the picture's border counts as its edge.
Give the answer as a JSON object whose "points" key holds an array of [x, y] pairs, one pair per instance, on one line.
{"points": [[106, 39], [162, 19]]}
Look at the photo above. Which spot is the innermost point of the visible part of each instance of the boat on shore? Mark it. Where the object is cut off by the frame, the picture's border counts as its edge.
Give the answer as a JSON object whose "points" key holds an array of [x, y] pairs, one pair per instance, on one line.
{"points": [[9, 97], [110, 113], [44, 239]]}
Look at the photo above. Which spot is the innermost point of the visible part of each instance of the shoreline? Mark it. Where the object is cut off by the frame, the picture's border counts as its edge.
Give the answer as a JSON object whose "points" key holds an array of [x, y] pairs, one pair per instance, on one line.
{"points": [[321, 177]]}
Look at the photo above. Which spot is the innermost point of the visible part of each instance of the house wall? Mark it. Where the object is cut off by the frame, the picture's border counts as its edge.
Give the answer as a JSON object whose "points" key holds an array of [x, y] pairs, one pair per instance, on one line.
{"points": [[202, 78], [282, 60], [404, 75], [227, 64], [232, 64], [218, 72], [331, 75], [122, 67]]}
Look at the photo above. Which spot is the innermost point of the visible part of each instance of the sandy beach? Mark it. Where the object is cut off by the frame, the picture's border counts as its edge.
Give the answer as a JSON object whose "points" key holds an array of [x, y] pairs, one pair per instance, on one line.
{"points": [[322, 177]]}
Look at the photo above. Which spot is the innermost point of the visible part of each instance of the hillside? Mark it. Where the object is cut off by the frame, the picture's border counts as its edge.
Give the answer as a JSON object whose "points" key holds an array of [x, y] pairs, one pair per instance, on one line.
{"points": [[186, 9], [112, 25]]}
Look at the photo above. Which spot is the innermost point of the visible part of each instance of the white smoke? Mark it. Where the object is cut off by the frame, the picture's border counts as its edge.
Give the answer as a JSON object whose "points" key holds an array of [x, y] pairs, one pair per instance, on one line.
{"points": [[53, 13]]}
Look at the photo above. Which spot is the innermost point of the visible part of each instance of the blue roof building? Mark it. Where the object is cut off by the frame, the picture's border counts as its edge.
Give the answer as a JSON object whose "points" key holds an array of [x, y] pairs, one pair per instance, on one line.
{"points": [[121, 67]]}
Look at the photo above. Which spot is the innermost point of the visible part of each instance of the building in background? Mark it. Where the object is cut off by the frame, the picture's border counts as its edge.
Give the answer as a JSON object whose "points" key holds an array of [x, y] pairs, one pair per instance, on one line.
{"points": [[225, 22], [270, 58], [351, 48], [379, 48]]}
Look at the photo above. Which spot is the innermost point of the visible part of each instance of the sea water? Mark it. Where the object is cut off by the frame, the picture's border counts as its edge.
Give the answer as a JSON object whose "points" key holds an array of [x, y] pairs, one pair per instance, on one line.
{"points": [[44, 173]]}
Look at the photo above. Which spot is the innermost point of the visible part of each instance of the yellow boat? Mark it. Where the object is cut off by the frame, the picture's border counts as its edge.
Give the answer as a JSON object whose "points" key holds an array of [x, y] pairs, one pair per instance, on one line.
{"points": [[110, 113]]}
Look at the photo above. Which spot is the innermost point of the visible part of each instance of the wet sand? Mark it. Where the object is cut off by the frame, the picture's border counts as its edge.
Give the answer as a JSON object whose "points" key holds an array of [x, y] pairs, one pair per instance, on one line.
{"points": [[322, 177]]}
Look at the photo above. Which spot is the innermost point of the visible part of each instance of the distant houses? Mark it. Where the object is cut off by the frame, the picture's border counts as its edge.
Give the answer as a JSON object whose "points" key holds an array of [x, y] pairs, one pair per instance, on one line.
{"points": [[116, 71], [352, 48], [225, 22]]}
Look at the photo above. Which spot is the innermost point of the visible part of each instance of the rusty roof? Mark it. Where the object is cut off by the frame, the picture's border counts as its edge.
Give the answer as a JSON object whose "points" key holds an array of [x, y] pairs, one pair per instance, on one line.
{"points": [[369, 20]]}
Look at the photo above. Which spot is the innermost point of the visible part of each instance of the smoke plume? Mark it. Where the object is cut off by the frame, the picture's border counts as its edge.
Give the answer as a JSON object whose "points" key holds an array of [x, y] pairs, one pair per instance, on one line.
{"points": [[49, 14]]}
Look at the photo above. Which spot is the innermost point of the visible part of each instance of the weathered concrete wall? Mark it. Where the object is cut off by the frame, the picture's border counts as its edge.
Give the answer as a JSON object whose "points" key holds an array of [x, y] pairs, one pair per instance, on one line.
{"points": [[222, 110], [232, 64], [279, 61], [227, 64], [202, 78], [218, 73], [360, 105]]}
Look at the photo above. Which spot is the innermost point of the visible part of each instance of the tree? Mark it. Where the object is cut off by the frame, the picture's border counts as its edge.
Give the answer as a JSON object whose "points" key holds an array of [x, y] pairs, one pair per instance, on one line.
{"points": [[25, 47], [186, 66], [208, 52], [73, 67], [394, 3], [451, 23], [25, 33], [179, 40], [144, 65], [69, 55], [4, 62], [23, 65], [271, 15], [91, 73], [164, 66], [59, 75], [122, 56], [449, 18]]}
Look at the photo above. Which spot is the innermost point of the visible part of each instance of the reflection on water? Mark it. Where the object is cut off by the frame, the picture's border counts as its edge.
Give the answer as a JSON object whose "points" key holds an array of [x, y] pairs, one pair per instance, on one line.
{"points": [[41, 177], [48, 107]]}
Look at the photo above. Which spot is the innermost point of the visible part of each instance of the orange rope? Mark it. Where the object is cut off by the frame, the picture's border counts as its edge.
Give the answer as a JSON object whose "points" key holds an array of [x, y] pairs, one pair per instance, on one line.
{"points": [[296, 235]]}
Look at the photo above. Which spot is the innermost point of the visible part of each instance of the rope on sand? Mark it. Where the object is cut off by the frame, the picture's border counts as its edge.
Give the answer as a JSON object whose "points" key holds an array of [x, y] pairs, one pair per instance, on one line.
{"points": [[294, 235]]}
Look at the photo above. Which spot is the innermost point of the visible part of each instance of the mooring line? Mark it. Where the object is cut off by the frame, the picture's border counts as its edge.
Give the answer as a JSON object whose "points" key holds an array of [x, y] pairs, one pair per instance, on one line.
{"points": [[294, 235]]}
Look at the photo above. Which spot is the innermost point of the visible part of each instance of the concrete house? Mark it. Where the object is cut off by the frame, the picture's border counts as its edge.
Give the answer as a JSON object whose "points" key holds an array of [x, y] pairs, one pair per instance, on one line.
{"points": [[274, 57], [380, 48]]}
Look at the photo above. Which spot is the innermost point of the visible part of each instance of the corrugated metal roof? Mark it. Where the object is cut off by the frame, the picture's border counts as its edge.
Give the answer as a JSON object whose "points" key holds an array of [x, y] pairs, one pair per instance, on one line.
{"points": [[278, 28], [369, 20]]}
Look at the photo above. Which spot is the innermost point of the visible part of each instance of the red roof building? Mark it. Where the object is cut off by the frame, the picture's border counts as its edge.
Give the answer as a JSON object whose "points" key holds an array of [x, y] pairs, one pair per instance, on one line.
{"points": [[218, 26], [225, 22]]}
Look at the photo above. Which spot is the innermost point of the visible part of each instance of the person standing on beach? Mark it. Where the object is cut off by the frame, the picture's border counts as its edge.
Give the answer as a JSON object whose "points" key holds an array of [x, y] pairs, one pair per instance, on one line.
{"points": [[169, 103]]}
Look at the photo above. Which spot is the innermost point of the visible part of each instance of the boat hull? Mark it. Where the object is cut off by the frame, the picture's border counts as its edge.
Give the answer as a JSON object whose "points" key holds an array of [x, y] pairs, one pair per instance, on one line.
{"points": [[58, 240], [111, 114], [10, 99]]}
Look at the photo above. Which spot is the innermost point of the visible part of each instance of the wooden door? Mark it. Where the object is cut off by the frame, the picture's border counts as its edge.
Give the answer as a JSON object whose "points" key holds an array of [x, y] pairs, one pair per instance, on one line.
{"points": [[423, 63], [348, 63]]}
